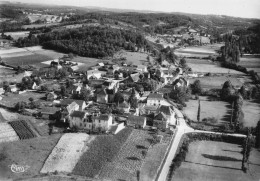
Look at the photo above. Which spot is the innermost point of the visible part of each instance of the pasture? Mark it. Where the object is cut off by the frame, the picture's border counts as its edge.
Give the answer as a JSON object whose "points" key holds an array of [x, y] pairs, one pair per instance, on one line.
{"points": [[251, 112], [210, 82], [221, 162], [31, 153], [12, 99], [67, 152], [251, 63], [216, 109], [136, 58]]}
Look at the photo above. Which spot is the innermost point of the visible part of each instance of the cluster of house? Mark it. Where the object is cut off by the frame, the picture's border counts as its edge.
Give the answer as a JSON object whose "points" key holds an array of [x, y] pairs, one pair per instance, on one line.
{"points": [[103, 86]]}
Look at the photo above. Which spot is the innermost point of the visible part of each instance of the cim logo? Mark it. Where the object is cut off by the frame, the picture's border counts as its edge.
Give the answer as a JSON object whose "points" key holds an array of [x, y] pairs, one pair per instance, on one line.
{"points": [[18, 168]]}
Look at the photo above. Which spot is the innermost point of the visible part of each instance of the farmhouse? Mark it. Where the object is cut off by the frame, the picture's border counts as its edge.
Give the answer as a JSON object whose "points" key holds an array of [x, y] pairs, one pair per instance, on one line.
{"points": [[124, 106], [168, 113], [160, 121], [102, 96]]}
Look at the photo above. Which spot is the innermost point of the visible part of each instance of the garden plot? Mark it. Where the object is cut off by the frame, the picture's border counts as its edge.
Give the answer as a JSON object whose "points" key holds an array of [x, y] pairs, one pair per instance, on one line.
{"points": [[67, 152], [222, 161], [129, 159], [7, 133]]}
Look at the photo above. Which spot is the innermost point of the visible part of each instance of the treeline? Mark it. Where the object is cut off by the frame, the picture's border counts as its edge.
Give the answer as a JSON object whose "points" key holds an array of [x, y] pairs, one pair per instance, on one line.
{"points": [[89, 41], [250, 39]]}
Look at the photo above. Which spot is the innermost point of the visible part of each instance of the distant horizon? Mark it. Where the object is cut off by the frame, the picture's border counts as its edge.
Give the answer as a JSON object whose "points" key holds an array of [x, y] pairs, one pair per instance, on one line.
{"points": [[234, 8]]}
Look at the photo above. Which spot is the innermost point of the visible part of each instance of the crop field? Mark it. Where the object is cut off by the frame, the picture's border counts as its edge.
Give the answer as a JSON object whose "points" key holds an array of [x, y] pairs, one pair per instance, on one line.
{"points": [[32, 153], [251, 112], [12, 99], [221, 162], [26, 60], [67, 152], [210, 82], [208, 109], [7, 133], [22, 129], [101, 152], [129, 160]]}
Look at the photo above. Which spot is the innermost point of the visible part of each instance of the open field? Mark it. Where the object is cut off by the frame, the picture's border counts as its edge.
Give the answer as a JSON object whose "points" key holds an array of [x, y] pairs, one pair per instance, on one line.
{"points": [[31, 153], [67, 152], [252, 113], [8, 116], [129, 160], [216, 109], [5, 71], [210, 82], [250, 63], [12, 99], [212, 68], [101, 151], [7, 133], [136, 58], [221, 162]]}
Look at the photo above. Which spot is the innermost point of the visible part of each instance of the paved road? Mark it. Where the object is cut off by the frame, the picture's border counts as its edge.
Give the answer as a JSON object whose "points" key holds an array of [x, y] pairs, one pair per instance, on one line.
{"points": [[182, 129]]}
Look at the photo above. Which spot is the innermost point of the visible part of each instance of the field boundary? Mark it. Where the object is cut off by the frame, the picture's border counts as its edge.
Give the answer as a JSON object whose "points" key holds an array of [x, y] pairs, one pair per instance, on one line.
{"points": [[165, 156]]}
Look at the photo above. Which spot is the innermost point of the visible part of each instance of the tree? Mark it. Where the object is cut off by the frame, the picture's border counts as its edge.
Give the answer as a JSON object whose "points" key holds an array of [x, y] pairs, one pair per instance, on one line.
{"points": [[118, 98], [257, 133], [196, 87], [180, 94], [198, 114], [133, 102], [26, 83], [227, 91], [243, 92], [246, 150], [20, 106], [6, 87], [183, 62], [84, 94]]}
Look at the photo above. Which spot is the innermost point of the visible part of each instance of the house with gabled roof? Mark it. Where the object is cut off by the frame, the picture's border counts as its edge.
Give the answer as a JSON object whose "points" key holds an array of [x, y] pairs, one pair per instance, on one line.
{"points": [[102, 122], [136, 121], [67, 102], [51, 96], [169, 113], [141, 68], [160, 121], [77, 118]]}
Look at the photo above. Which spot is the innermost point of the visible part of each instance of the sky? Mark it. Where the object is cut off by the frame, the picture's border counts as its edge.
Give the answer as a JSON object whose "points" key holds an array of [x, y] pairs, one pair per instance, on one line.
{"points": [[238, 8]]}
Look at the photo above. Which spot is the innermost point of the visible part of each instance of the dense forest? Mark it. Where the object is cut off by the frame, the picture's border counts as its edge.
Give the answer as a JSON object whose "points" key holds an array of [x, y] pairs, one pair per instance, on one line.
{"points": [[89, 41]]}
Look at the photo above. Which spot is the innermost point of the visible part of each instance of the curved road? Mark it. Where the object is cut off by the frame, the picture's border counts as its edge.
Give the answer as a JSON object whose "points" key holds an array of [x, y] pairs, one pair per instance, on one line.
{"points": [[182, 129]]}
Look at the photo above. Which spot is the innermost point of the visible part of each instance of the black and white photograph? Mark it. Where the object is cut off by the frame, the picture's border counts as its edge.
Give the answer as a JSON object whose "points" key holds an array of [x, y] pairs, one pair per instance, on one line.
{"points": [[130, 90]]}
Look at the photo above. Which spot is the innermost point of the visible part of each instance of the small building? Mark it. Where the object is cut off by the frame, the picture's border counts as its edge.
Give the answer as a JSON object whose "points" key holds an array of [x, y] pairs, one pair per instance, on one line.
{"points": [[136, 121], [94, 74], [51, 96], [154, 99], [35, 86], [13, 88], [168, 113]]}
